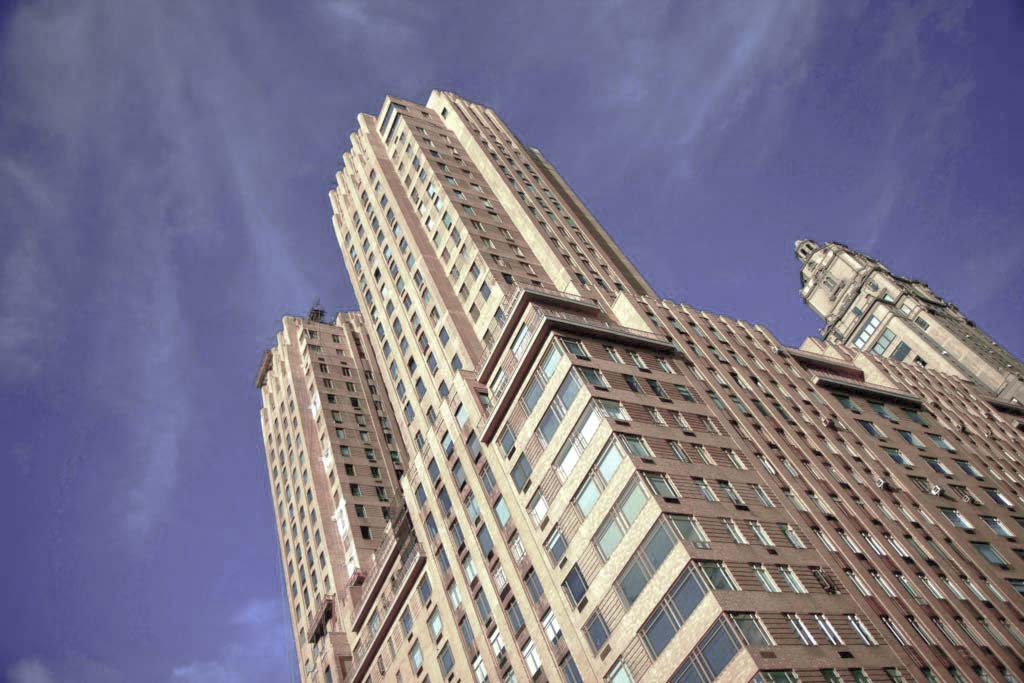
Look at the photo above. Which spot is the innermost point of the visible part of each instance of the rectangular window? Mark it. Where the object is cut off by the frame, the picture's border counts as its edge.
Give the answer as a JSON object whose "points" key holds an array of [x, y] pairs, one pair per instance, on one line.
{"points": [[866, 332], [521, 472], [575, 586], [872, 429], [989, 552], [597, 631], [750, 628], [689, 529], [672, 612], [884, 340], [660, 485]]}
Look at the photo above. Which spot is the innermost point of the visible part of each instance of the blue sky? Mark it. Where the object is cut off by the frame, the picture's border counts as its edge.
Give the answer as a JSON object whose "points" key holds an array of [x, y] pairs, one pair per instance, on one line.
{"points": [[164, 170]]}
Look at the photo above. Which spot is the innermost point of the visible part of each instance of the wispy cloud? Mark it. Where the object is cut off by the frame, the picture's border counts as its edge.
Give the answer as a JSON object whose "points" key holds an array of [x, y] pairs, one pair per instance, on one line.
{"points": [[152, 104], [257, 635], [689, 71], [96, 104], [916, 136], [30, 671], [28, 295]]}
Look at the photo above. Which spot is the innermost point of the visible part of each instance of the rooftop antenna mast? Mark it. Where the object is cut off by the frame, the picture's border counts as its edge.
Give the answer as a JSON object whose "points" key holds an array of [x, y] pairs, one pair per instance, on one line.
{"points": [[316, 312]]}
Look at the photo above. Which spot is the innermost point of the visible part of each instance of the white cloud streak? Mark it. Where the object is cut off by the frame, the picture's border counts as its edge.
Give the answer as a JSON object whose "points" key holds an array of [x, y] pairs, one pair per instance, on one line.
{"points": [[258, 634], [30, 671]]}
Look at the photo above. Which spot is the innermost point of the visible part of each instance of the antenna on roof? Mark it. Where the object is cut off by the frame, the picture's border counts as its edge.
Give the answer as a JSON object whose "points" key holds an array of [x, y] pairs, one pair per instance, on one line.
{"points": [[316, 312]]}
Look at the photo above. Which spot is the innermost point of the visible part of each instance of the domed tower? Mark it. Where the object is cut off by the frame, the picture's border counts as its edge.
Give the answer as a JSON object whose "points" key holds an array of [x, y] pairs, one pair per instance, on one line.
{"points": [[866, 307]]}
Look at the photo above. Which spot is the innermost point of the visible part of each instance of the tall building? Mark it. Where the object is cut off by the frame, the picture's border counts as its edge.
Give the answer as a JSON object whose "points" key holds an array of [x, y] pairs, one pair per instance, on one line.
{"points": [[334, 461], [602, 485], [867, 307]]}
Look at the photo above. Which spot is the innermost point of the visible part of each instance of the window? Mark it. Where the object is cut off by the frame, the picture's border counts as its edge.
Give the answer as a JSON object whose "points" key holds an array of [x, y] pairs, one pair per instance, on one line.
{"points": [[530, 656], [521, 472], [792, 580], [551, 627], [416, 657], [987, 551], [577, 441], [659, 485], [619, 673], [998, 497], [538, 508], [446, 660], [734, 532], [750, 629], [575, 586], [672, 612], [762, 496], [881, 410], [969, 469], [689, 529], [866, 332], [533, 585], [644, 563], [911, 438], [635, 445], [575, 347], [711, 655], [619, 519], [762, 536], [884, 340], [497, 644], [847, 402], [898, 457], [826, 628], [790, 533], [801, 631], [765, 578], [717, 576], [587, 495], [872, 429], [614, 410], [570, 672], [859, 676], [996, 525], [597, 631], [556, 546], [515, 616], [593, 377], [954, 516], [941, 442]]}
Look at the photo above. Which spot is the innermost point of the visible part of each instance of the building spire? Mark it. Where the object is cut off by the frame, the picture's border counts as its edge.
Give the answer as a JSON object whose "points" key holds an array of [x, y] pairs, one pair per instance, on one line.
{"points": [[804, 248]]}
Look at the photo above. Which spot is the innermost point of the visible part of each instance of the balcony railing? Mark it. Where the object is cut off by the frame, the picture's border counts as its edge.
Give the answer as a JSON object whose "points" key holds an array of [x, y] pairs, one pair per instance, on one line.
{"points": [[324, 612], [398, 530], [392, 596]]}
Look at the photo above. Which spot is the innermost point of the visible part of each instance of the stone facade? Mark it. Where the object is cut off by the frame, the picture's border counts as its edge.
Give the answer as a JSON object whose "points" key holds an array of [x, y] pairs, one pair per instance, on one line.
{"points": [[867, 307]]}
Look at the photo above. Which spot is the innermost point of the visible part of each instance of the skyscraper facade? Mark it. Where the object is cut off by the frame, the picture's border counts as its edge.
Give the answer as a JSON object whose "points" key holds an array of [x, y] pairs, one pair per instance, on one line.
{"points": [[334, 460], [601, 485], [867, 307]]}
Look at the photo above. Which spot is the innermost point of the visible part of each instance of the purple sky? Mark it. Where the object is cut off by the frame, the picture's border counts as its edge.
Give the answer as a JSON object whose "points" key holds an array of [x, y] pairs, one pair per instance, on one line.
{"points": [[164, 169]]}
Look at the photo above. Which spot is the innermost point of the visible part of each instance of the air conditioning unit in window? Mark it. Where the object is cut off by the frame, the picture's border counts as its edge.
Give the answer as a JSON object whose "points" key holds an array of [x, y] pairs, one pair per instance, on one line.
{"points": [[935, 490], [882, 483], [828, 422]]}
